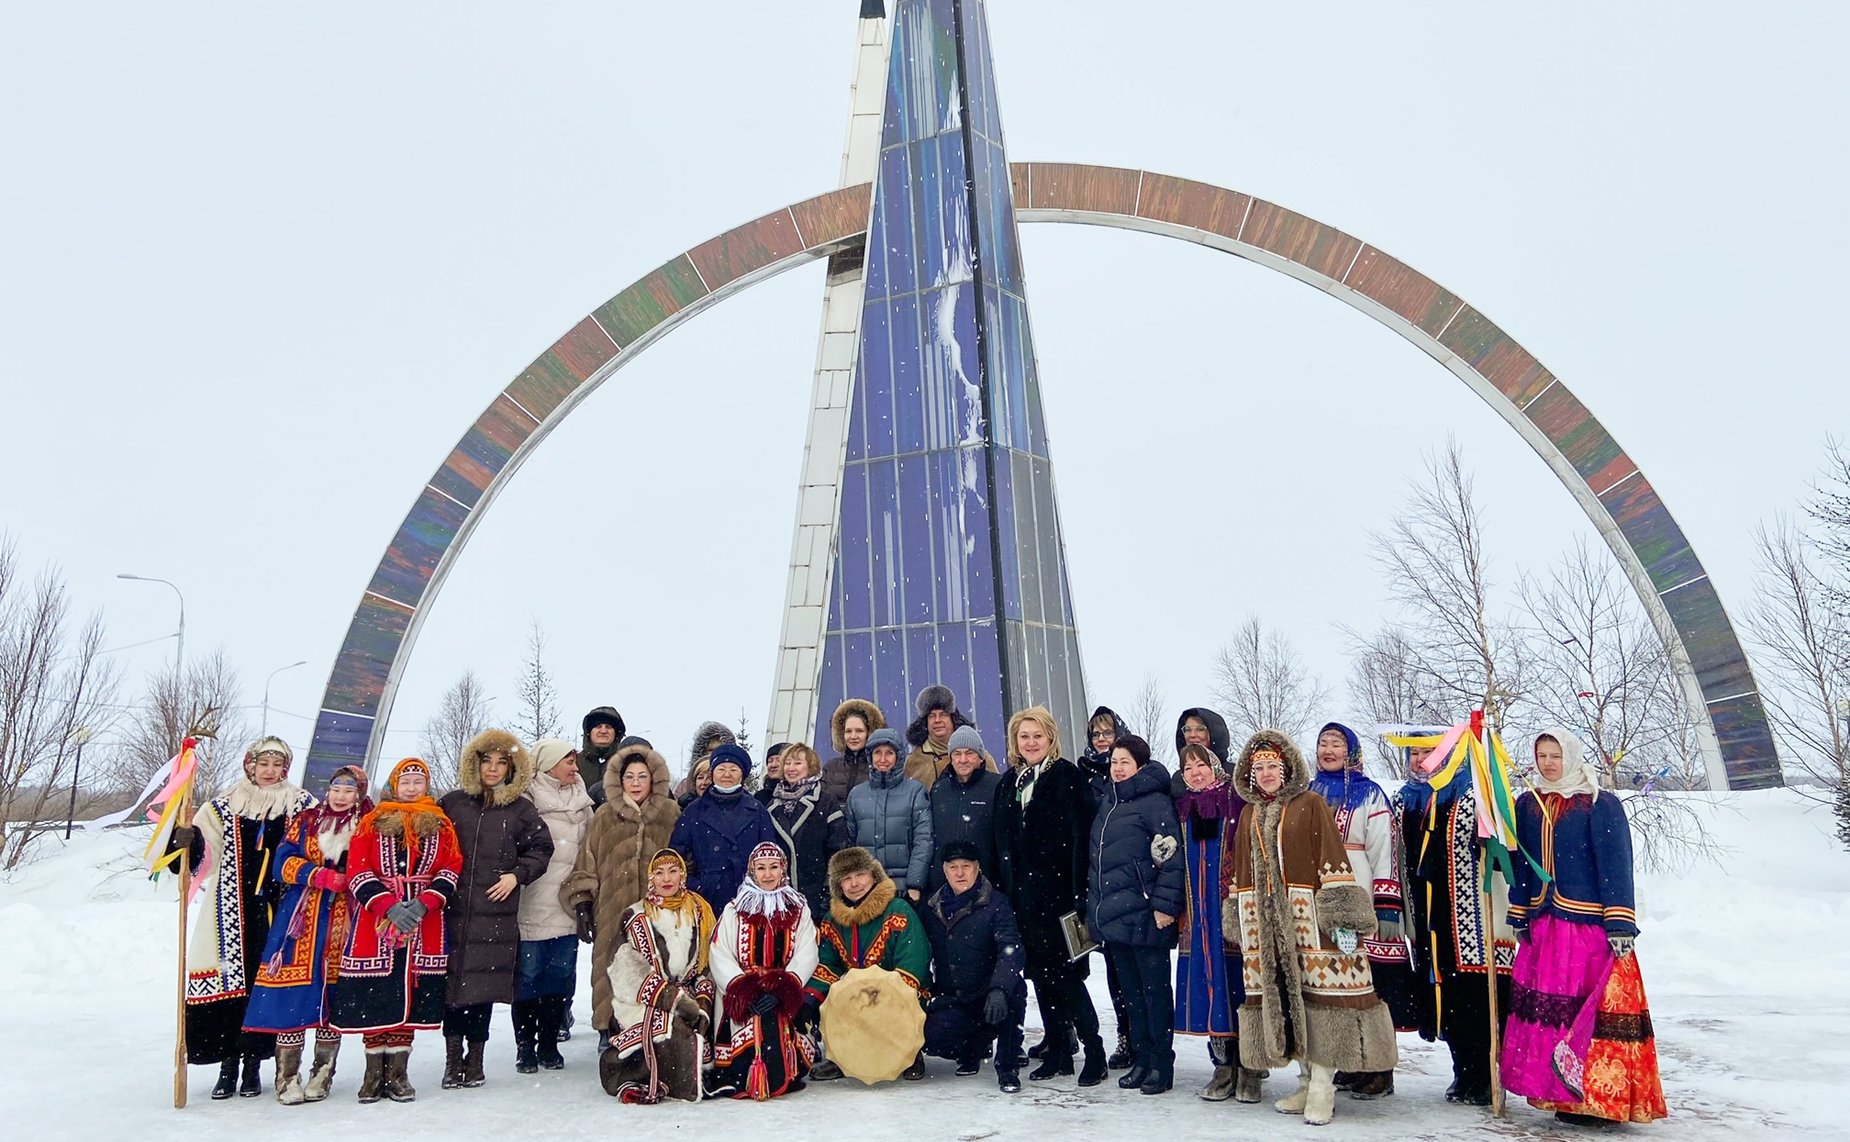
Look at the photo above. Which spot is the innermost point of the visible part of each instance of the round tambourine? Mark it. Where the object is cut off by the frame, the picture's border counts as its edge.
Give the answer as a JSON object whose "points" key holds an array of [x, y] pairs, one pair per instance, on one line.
{"points": [[872, 1024]]}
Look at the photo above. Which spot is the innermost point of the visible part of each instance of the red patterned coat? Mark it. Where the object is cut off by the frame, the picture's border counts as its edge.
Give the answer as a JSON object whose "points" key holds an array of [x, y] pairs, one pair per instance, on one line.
{"points": [[387, 980]]}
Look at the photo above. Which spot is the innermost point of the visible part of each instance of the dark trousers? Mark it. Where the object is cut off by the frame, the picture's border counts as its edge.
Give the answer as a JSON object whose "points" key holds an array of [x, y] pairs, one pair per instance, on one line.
{"points": [[1465, 1014], [547, 967], [958, 1031], [470, 1022], [1150, 997], [1115, 988], [1066, 1006]]}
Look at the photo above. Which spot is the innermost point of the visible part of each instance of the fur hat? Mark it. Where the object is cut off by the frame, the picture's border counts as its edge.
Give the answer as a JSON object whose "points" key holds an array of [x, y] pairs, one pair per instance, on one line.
{"points": [[469, 766], [936, 697], [1297, 774], [709, 735], [966, 737], [886, 738], [846, 862], [868, 712], [731, 753], [604, 716], [960, 850]]}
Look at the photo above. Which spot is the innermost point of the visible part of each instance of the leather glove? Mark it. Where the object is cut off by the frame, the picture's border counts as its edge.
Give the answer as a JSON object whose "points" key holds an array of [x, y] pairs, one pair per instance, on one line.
{"points": [[1621, 945], [405, 916], [328, 879], [182, 837], [995, 1007], [938, 1002], [764, 1005], [587, 922]]}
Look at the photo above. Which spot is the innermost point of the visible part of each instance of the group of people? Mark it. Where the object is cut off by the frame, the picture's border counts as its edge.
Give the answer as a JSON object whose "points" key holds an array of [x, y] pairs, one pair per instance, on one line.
{"points": [[1287, 911]]}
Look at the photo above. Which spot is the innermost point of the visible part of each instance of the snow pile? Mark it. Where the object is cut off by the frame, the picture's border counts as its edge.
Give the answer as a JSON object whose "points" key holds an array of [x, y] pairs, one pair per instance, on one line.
{"points": [[1745, 969]]}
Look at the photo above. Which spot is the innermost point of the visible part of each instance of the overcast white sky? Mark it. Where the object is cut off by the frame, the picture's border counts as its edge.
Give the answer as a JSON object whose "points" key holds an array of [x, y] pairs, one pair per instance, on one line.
{"points": [[260, 267]]}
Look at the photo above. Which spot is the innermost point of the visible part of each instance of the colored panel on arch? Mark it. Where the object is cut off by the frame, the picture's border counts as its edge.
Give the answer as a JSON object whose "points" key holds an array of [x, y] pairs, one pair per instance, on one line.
{"points": [[544, 385], [483, 451], [831, 217], [1652, 534], [358, 680], [1296, 238], [1101, 190], [1746, 739], [1573, 429], [640, 308], [1412, 295], [427, 532], [339, 739], [1496, 356], [746, 249], [1185, 202], [1697, 611]]}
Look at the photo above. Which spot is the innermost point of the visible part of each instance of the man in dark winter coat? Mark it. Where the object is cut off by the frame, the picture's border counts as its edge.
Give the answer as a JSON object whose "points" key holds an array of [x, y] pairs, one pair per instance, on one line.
{"points": [[977, 990], [719, 829], [963, 803], [773, 773], [929, 735], [603, 730]]}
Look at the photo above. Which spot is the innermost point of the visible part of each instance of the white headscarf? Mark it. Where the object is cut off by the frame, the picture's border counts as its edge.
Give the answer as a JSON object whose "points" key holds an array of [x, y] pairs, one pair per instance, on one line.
{"points": [[1576, 775]]}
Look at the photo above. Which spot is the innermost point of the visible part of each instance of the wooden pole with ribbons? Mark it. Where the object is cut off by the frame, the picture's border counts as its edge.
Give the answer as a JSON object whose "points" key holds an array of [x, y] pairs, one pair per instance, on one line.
{"points": [[1485, 792], [179, 1019]]}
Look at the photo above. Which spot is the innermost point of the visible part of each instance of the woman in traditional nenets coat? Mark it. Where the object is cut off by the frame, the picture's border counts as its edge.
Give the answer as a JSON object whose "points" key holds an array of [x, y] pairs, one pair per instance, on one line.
{"points": [[1579, 1038], [505, 845], [1371, 836], [302, 959], [763, 952], [661, 995], [1298, 918], [402, 869], [1209, 984], [232, 845]]}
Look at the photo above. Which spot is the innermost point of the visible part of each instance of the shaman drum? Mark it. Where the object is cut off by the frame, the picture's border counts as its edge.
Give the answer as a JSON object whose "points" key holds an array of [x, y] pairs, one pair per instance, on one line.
{"points": [[873, 1024]]}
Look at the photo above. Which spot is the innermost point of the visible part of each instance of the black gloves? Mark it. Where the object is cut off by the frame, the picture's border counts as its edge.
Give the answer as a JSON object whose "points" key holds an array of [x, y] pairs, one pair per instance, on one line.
{"points": [[995, 1007], [808, 1015], [938, 1002], [764, 1005], [406, 915], [587, 922], [181, 838]]}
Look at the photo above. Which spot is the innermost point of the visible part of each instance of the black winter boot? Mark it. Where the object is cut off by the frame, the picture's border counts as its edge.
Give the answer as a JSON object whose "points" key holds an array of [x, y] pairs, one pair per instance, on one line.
{"points": [[1160, 1079], [565, 1021], [1054, 1063], [252, 1084], [472, 1063], [452, 1062], [1093, 1073], [527, 1017], [1122, 1057], [1372, 1084], [1133, 1078], [374, 1082], [227, 1084], [550, 1021]]}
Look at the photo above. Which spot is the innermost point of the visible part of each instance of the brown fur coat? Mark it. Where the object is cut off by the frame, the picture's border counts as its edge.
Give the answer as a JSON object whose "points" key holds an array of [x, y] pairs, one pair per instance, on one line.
{"points": [[1292, 889]]}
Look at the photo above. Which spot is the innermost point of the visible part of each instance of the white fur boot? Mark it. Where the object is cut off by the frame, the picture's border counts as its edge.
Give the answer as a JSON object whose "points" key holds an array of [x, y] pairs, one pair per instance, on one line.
{"points": [[1320, 1106], [1293, 1103]]}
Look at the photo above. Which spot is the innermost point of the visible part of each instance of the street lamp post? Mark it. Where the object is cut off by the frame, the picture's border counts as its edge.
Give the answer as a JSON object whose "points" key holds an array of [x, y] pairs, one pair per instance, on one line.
{"points": [[179, 646], [79, 736], [264, 732]]}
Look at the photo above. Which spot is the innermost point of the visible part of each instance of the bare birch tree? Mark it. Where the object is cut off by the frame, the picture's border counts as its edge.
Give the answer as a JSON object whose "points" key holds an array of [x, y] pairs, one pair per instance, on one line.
{"points": [[1261, 683], [1148, 717], [537, 715], [1388, 684], [1803, 641], [205, 690], [1437, 568], [461, 714], [55, 690]]}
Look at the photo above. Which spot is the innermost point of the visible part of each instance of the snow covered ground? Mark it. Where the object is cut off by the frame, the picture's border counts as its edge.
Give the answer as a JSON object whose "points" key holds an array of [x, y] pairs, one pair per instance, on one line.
{"points": [[1746, 970]]}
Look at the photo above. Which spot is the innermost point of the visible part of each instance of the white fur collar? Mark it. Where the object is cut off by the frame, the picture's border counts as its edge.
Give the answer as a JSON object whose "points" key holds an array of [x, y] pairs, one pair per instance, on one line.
{"points": [[253, 802]]}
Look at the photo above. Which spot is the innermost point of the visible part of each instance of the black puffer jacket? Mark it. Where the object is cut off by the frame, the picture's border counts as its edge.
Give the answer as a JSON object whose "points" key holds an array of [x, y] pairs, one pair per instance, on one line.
{"points": [[975, 945], [963, 811], [1136, 863], [499, 831]]}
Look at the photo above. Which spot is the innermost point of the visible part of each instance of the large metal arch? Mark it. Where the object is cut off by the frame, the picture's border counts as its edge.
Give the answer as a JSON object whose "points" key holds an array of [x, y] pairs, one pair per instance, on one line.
{"points": [[1657, 558]]}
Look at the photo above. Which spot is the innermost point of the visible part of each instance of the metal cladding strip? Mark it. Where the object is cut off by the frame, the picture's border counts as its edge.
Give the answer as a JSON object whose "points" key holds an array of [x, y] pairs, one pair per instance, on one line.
{"points": [[1656, 556], [357, 703]]}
